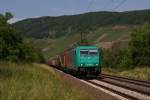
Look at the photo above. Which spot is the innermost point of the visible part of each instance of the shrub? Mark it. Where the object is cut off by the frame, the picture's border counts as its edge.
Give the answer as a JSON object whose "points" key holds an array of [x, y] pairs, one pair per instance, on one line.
{"points": [[140, 45], [116, 59]]}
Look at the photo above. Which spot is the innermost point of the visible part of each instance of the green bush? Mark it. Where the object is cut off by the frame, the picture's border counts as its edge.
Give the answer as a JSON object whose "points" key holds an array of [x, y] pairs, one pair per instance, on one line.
{"points": [[140, 45], [116, 59]]}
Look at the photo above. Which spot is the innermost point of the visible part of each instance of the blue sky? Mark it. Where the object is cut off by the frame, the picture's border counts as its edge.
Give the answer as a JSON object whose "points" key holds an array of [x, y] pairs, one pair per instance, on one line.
{"points": [[36, 8]]}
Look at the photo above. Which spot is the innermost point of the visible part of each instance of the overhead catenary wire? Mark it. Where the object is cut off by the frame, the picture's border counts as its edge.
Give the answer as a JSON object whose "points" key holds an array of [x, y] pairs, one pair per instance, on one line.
{"points": [[118, 6], [106, 5], [80, 20], [88, 9], [90, 5]]}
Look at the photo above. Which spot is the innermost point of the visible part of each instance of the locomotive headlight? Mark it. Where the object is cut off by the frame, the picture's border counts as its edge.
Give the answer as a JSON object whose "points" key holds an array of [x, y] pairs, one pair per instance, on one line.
{"points": [[81, 64], [96, 64]]}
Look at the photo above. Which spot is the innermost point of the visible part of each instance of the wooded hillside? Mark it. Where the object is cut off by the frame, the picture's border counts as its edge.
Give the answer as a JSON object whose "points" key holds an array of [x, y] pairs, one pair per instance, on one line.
{"points": [[54, 27]]}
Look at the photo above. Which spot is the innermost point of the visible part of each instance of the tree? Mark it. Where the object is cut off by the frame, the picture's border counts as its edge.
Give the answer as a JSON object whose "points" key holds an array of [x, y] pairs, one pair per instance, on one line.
{"points": [[10, 39], [140, 45], [8, 16], [12, 47]]}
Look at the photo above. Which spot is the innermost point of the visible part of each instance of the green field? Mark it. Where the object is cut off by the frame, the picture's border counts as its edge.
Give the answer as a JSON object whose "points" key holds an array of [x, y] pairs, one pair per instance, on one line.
{"points": [[31, 82]]}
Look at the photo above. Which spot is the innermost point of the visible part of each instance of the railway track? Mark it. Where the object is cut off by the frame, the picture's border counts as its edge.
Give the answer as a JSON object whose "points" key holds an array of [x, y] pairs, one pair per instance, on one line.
{"points": [[142, 87], [129, 80], [125, 87]]}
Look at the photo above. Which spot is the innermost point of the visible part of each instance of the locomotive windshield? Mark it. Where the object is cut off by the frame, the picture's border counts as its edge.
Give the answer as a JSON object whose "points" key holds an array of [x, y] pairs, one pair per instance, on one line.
{"points": [[84, 52], [93, 52], [88, 52]]}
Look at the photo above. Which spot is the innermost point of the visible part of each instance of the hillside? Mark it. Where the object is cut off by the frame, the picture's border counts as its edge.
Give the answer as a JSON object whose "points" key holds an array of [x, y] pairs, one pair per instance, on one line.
{"points": [[103, 29], [53, 27], [103, 37]]}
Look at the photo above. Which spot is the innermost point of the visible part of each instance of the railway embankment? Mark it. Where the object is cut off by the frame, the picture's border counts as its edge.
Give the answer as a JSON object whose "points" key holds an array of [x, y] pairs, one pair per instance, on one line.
{"points": [[93, 92], [33, 82], [99, 90]]}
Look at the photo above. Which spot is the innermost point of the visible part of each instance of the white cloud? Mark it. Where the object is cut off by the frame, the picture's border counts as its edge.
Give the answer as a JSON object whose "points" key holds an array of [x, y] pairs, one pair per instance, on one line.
{"points": [[13, 20]]}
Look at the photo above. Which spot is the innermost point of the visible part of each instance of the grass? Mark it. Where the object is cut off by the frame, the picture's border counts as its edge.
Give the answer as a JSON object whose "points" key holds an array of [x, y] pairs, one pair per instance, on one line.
{"points": [[140, 73], [31, 82]]}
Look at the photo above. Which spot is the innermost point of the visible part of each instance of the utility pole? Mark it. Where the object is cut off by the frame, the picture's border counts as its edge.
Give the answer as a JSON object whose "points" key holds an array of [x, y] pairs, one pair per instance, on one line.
{"points": [[83, 40], [81, 34]]}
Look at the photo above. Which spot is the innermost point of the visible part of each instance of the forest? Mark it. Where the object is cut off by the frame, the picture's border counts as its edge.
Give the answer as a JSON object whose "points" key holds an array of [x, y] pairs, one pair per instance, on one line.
{"points": [[53, 27]]}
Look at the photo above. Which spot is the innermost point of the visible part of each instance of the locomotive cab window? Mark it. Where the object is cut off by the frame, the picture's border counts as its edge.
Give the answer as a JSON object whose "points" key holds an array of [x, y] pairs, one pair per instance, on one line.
{"points": [[84, 52], [88, 52], [93, 52]]}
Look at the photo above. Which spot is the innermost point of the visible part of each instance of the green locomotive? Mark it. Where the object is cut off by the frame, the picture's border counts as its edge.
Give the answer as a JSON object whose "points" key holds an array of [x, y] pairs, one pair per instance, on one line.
{"points": [[82, 60]]}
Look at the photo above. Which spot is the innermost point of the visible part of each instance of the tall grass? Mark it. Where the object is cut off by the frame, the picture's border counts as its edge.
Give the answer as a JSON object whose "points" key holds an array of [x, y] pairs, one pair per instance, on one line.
{"points": [[141, 73], [30, 82]]}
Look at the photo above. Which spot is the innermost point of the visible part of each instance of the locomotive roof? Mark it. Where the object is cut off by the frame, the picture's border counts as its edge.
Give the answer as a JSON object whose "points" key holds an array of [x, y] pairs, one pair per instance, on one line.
{"points": [[83, 47], [87, 47]]}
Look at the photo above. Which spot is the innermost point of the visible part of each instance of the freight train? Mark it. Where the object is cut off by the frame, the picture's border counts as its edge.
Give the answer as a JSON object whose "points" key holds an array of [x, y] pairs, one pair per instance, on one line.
{"points": [[81, 60]]}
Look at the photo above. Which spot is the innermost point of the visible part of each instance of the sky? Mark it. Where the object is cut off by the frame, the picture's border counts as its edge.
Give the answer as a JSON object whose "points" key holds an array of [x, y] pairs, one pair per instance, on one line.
{"points": [[22, 9]]}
